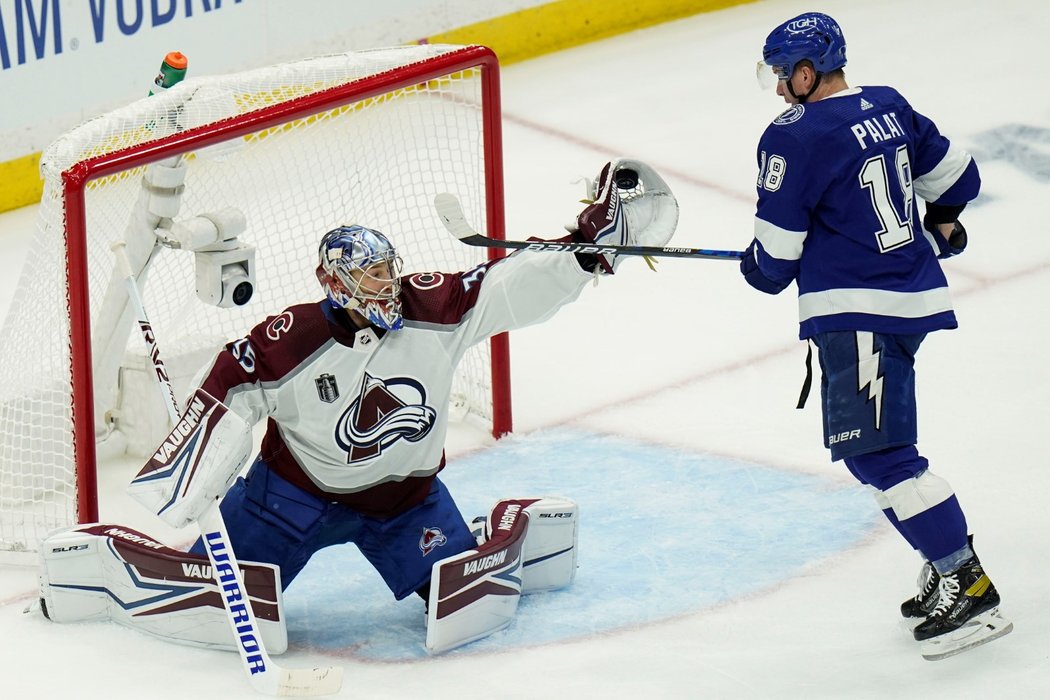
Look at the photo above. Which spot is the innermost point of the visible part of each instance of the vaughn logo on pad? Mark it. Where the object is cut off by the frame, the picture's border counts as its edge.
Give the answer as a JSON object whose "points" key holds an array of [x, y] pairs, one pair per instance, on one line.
{"points": [[195, 463]]}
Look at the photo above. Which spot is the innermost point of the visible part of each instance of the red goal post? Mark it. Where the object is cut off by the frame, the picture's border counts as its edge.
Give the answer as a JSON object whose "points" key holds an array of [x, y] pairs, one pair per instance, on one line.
{"points": [[364, 137]]}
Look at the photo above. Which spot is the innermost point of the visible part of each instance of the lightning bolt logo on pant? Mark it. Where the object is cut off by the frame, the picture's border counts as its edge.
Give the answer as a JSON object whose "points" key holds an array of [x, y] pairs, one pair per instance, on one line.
{"points": [[868, 371]]}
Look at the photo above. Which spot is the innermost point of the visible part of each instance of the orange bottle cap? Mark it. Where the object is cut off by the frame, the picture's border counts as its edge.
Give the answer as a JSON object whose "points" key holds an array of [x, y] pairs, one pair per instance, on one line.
{"points": [[176, 59]]}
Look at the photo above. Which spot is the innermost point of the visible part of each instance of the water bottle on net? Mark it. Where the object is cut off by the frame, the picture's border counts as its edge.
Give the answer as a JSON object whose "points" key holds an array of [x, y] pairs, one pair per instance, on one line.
{"points": [[172, 71]]}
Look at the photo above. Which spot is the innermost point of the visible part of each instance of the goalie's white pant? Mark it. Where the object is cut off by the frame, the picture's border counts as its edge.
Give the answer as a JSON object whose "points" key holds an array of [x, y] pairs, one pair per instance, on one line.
{"points": [[112, 572], [530, 546]]}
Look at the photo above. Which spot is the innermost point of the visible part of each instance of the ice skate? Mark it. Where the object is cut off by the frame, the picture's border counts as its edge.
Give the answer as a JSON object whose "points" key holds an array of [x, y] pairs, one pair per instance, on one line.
{"points": [[916, 609], [923, 602], [966, 614]]}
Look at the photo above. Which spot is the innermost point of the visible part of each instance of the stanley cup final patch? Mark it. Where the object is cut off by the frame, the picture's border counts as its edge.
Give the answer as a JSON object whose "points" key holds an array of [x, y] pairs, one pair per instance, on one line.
{"points": [[327, 389]]}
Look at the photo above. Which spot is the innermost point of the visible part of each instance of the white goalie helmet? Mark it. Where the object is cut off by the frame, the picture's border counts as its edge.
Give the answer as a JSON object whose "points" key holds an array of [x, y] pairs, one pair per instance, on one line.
{"points": [[360, 270]]}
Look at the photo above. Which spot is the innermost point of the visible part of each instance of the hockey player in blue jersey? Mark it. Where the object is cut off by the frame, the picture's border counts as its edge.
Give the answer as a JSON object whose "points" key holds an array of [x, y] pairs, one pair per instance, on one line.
{"points": [[837, 213]]}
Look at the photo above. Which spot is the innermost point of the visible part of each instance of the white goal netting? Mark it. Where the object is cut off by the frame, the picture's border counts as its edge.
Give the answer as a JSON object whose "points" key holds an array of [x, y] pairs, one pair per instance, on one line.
{"points": [[363, 137]]}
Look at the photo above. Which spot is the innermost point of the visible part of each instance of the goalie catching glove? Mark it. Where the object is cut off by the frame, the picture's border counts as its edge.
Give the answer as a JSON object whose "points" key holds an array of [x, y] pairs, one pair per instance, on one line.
{"points": [[632, 205]]}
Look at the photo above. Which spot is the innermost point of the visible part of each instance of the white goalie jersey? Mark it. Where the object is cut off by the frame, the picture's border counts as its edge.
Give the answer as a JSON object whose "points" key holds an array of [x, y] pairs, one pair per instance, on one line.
{"points": [[359, 416]]}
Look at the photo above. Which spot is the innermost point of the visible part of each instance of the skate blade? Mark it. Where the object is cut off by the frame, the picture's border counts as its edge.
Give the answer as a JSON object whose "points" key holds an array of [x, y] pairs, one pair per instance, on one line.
{"points": [[980, 630], [908, 624]]}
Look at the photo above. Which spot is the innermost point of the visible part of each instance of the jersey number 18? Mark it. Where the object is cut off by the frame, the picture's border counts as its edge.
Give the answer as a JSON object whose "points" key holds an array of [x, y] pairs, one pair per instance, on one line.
{"points": [[896, 223]]}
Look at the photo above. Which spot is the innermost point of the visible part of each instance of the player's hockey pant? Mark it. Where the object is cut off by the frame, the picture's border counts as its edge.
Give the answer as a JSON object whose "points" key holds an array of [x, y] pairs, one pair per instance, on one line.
{"points": [[271, 520], [870, 418]]}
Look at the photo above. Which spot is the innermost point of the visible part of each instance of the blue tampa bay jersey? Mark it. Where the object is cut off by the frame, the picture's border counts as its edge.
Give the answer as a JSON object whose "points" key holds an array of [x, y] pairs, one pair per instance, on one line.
{"points": [[837, 211]]}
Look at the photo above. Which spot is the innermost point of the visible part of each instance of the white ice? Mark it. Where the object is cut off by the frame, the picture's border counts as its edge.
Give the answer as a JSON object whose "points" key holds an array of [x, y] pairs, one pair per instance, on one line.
{"points": [[693, 360]]}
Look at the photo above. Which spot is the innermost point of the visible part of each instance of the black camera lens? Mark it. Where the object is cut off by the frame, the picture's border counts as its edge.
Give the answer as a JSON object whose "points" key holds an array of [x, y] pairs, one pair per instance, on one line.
{"points": [[242, 293]]}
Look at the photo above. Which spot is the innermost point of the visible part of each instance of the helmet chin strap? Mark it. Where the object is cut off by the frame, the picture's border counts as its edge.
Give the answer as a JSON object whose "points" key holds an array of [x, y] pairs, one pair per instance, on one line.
{"points": [[802, 98]]}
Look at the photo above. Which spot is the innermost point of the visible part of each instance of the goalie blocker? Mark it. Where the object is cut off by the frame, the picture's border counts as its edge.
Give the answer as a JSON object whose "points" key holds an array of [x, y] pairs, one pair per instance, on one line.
{"points": [[112, 572], [196, 463], [528, 546]]}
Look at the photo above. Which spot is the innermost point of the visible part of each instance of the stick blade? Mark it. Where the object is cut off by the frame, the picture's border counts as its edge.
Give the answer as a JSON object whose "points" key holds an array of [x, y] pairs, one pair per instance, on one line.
{"points": [[449, 209], [305, 682]]}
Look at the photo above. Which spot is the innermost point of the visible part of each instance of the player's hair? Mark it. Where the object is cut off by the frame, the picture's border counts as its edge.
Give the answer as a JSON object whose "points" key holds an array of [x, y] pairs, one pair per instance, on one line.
{"points": [[836, 73]]}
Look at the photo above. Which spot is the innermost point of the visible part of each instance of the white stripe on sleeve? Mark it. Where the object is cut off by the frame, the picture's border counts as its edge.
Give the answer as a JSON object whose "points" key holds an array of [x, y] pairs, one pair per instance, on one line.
{"points": [[945, 174], [779, 242]]}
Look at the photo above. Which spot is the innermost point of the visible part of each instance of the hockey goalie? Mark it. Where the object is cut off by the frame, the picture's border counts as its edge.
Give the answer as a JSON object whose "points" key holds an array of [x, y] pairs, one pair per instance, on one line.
{"points": [[354, 390]]}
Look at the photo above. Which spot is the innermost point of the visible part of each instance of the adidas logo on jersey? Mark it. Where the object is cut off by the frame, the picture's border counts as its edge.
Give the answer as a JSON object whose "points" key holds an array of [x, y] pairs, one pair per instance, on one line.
{"points": [[864, 104]]}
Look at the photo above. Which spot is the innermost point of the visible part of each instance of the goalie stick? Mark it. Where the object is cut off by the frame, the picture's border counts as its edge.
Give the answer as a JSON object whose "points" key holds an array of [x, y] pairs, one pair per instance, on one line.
{"points": [[263, 674], [451, 213]]}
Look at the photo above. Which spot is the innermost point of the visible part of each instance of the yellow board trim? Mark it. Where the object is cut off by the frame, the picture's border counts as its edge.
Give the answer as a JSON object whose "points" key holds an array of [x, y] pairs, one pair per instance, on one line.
{"points": [[20, 182], [516, 37], [566, 23]]}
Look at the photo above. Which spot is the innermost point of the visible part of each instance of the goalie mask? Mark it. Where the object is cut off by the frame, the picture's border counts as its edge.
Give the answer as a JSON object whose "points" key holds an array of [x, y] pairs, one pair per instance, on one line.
{"points": [[360, 271]]}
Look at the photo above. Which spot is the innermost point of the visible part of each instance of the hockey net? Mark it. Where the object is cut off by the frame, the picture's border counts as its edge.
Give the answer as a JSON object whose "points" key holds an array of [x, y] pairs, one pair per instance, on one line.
{"points": [[363, 137]]}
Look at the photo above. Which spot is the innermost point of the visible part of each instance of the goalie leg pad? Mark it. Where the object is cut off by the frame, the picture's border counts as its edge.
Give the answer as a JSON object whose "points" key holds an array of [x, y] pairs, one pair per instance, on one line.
{"points": [[111, 572], [476, 593], [529, 546], [550, 543]]}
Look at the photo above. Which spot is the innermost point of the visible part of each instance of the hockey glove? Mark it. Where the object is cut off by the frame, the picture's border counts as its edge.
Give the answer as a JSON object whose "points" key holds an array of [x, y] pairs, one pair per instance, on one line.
{"points": [[946, 247], [755, 277], [632, 205], [602, 222]]}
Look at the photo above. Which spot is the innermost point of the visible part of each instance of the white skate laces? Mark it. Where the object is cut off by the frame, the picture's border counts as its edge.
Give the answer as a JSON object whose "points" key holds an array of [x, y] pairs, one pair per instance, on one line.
{"points": [[949, 592]]}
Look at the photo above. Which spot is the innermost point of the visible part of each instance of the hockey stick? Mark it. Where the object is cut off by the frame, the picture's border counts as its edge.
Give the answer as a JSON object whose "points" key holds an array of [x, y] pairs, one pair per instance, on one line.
{"points": [[451, 213], [263, 674]]}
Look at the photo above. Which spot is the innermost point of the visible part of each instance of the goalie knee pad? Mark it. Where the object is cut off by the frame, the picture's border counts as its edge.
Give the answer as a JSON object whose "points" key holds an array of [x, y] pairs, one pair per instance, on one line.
{"points": [[111, 572]]}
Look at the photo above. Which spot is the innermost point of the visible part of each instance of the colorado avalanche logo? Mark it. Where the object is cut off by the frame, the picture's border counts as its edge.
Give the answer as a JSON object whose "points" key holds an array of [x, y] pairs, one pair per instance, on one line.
{"points": [[431, 539], [383, 413]]}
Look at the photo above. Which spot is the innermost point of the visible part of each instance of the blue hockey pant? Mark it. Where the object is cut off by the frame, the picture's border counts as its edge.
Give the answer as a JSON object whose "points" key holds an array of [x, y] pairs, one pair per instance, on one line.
{"points": [[271, 520]]}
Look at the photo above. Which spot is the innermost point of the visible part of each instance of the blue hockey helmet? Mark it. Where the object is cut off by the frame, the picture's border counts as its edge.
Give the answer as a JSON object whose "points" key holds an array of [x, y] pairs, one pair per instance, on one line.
{"points": [[360, 270], [813, 37]]}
